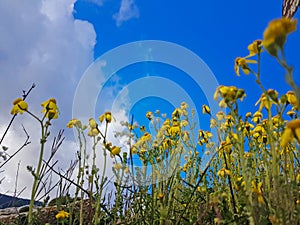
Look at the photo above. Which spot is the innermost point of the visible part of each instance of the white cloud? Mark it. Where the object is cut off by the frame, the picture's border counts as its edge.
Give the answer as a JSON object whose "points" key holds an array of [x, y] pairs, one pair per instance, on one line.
{"points": [[40, 42], [127, 11]]}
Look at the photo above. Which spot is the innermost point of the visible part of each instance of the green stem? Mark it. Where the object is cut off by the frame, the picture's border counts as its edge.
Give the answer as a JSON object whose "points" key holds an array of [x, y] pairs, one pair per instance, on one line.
{"points": [[37, 174], [96, 216]]}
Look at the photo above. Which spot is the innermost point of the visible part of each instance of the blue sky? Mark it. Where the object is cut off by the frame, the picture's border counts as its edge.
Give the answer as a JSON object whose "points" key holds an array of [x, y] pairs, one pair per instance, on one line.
{"points": [[216, 31], [54, 43]]}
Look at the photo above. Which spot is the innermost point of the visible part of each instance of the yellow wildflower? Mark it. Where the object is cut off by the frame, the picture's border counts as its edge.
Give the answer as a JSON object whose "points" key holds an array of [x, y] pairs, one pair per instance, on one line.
{"points": [[222, 172], [92, 123], [19, 106], [220, 115], [257, 190], [292, 130], [291, 113], [213, 123], [160, 196], [264, 102], [174, 130], [107, 116], [229, 93], [146, 137], [115, 150], [62, 214], [276, 32], [50, 108], [257, 117], [93, 132], [142, 128], [184, 105], [74, 122], [248, 114], [149, 115], [117, 166], [291, 98], [222, 104], [242, 63], [184, 123], [186, 136], [205, 109], [255, 47], [176, 113]]}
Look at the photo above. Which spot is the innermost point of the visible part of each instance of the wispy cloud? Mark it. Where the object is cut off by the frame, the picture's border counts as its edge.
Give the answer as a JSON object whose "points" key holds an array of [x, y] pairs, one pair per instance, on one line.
{"points": [[127, 11], [96, 2]]}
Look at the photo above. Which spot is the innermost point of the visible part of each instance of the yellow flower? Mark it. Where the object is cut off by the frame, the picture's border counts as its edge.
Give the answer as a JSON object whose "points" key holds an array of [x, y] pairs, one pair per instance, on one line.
{"points": [[149, 115], [19, 106], [220, 115], [184, 123], [298, 177], [229, 93], [222, 172], [174, 130], [292, 130], [146, 137], [257, 117], [92, 123], [93, 132], [160, 196], [142, 128], [115, 150], [176, 113], [205, 109], [50, 108], [117, 166], [257, 190], [255, 47], [186, 136], [107, 116], [291, 113], [264, 102], [291, 98], [74, 122], [276, 32], [213, 123], [62, 214], [184, 105], [242, 63]]}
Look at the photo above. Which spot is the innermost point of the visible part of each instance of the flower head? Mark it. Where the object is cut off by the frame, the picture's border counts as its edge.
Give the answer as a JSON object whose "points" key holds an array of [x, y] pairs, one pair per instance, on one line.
{"points": [[205, 109], [19, 106], [266, 101], [256, 188], [50, 108], [242, 63], [107, 116], [222, 172], [74, 122], [276, 32], [255, 47], [62, 214], [149, 115], [115, 150], [292, 130], [292, 99], [92, 123]]}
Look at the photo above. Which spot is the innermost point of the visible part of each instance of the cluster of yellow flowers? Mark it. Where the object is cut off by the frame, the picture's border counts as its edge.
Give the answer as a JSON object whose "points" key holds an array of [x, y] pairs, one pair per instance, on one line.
{"points": [[50, 108], [93, 130]]}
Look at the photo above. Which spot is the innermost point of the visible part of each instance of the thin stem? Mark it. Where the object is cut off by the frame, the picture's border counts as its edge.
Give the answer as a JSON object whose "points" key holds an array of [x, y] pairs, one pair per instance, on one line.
{"points": [[37, 173], [14, 116]]}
